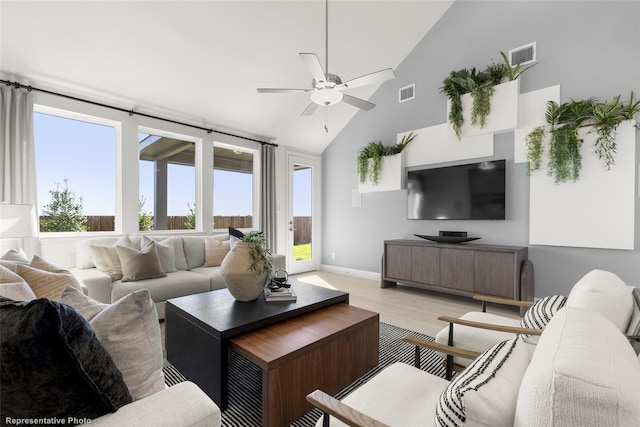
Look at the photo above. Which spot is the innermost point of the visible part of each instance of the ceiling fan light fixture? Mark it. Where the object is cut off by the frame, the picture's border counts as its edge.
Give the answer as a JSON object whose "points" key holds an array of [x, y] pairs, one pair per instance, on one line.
{"points": [[327, 96]]}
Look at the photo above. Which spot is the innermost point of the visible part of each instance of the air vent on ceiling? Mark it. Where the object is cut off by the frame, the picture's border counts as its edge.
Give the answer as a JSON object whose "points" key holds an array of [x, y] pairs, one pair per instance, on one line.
{"points": [[523, 54], [406, 93]]}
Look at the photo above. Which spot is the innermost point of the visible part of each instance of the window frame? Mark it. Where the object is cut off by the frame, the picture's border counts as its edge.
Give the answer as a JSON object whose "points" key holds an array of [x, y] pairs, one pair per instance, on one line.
{"points": [[255, 182], [117, 147]]}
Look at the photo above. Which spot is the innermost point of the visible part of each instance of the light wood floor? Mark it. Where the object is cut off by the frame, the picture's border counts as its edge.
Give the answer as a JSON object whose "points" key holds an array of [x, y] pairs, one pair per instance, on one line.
{"points": [[403, 306]]}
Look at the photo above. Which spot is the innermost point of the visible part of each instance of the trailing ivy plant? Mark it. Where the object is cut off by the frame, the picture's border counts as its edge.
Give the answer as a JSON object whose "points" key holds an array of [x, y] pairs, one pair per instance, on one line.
{"points": [[535, 149], [606, 118], [370, 157], [564, 121], [481, 86]]}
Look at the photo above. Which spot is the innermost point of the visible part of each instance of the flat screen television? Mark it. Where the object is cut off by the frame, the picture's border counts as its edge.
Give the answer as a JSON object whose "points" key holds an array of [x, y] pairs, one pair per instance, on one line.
{"points": [[462, 192]]}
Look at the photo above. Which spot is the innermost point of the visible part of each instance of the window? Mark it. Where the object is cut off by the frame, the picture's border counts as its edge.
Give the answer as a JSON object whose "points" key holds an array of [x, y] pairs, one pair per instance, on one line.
{"points": [[167, 181], [75, 164], [233, 183]]}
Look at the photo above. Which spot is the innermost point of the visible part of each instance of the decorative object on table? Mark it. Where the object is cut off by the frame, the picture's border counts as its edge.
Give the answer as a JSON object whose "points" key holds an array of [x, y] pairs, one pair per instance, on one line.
{"points": [[279, 288], [246, 268], [280, 294], [564, 121], [370, 157], [280, 279]]}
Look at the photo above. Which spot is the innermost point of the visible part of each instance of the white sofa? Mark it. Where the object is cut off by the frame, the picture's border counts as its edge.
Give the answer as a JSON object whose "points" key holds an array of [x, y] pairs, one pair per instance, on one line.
{"points": [[583, 373], [183, 405], [191, 276]]}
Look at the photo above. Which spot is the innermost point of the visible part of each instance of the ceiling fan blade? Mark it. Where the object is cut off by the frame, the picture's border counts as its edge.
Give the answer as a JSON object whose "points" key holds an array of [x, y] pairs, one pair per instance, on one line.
{"points": [[377, 77], [357, 102], [310, 109], [279, 90], [313, 64]]}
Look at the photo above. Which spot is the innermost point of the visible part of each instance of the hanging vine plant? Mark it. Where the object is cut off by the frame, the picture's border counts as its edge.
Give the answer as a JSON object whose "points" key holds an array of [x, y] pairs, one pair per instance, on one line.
{"points": [[564, 121], [481, 86], [370, 157]]}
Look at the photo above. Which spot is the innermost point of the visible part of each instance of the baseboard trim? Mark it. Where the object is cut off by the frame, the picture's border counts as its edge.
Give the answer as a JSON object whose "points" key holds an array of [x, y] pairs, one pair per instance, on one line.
{"points": [[372, 275]]}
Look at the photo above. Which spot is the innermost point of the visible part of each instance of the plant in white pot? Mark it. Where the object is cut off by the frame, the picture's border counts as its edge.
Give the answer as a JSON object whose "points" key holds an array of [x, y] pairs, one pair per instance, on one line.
{"points": [[247, 267]]}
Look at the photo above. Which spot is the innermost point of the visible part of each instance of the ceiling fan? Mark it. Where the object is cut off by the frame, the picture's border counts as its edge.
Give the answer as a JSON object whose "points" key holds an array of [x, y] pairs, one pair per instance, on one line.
{"points": [[326, 88]]}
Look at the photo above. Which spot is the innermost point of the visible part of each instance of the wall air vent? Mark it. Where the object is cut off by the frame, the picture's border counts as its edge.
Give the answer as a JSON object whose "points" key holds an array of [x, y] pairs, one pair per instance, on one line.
{"points": [[406, 93], [523, 55]]}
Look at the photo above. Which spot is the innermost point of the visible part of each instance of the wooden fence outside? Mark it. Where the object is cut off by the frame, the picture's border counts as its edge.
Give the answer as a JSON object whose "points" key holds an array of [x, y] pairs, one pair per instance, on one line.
{"points": [[301, 224]]}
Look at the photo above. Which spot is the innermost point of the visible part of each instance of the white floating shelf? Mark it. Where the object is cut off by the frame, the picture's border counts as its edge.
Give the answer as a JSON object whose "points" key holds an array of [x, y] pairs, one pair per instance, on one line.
{"points": [[390, 177], [502, 118]]}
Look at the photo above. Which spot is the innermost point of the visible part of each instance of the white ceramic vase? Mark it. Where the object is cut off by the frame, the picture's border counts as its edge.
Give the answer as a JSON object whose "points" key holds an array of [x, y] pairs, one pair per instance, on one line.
{"points": [[244, 284]]}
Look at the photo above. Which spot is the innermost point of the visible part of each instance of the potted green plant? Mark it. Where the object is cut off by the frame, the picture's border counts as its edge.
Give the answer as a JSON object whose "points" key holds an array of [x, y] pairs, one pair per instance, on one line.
{"points": [[481, 86], [563, 122], [369, 159]]}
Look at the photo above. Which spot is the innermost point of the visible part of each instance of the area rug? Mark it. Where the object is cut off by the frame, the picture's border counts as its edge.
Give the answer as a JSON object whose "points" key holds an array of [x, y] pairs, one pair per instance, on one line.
{"points": [[245, 379]]}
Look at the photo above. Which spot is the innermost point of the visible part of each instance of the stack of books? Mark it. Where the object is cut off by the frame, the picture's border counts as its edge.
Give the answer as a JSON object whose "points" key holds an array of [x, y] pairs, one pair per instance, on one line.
{"points": [[280, 294]]}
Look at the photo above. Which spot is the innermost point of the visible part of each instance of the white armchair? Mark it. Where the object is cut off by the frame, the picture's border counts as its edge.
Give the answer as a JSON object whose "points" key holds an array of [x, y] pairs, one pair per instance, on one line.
{"points": [[583, 372], [598, 290]]}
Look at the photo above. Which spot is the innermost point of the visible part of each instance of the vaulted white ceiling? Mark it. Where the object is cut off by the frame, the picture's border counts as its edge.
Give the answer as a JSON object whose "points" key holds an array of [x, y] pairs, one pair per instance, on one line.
{"points": [[201, 61]]}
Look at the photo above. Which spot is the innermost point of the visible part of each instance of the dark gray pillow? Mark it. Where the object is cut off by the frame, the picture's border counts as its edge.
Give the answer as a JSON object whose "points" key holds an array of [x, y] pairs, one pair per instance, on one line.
{"points": [[53, 365]]}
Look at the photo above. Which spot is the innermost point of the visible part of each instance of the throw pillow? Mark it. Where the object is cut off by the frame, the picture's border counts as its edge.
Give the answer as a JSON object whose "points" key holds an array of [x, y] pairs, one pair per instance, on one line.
{"points": [[486, 392], [14, 287], [130, 332], [46, 284], [12, 258], [540, 313], [85, 305], [53, 365], [106, 259], [215, 251], [634, 324], [166, 252], [140, 264], [42, 264], [15, 255]]}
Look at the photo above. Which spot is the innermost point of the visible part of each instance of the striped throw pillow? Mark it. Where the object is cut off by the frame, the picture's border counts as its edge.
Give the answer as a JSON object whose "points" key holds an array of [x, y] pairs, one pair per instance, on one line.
{"points": [[486, 392], [541, 312]]}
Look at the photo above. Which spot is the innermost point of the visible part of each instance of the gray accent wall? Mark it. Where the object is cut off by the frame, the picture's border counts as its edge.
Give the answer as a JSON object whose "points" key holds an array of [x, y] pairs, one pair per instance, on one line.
{"points": [[592, 49]]}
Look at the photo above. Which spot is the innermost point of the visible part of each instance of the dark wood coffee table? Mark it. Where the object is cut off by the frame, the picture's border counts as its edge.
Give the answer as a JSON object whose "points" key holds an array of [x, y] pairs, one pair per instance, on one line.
{"points": [[198, 329]]}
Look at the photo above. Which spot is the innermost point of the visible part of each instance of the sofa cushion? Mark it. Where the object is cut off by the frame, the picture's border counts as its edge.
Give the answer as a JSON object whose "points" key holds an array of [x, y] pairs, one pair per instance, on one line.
{"points": [[130, 331], [14, 287], [53, 365], [583, 372], [140, 264], [173, 285], [397, 386], [214, 251], [606, 293], [213, 274], [46, 284], [485, 393], [471, 338]]}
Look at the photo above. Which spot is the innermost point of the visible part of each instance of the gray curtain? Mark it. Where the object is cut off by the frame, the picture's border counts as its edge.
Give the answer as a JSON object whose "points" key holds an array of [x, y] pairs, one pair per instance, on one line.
{"points": [[268, 195], [17, 156]]}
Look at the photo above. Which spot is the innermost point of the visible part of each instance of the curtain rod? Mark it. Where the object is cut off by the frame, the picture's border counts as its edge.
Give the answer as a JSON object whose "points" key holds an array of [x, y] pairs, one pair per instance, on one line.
{"points": [[18, 85]]}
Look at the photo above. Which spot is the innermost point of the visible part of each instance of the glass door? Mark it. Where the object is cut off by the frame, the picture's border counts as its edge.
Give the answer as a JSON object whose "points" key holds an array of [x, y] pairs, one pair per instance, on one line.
{"points": [[303, 253]]}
